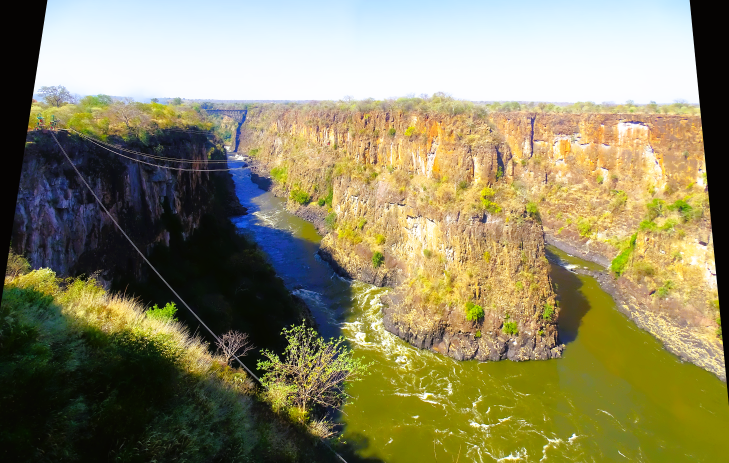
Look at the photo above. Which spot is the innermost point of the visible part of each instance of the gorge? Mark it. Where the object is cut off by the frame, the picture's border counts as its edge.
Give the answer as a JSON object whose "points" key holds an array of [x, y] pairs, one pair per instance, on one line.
{"points": [[596, 185]]}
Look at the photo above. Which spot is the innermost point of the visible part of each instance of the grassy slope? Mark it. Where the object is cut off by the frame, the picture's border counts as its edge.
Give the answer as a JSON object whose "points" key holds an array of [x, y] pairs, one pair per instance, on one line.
{"points": [[86, 376]]}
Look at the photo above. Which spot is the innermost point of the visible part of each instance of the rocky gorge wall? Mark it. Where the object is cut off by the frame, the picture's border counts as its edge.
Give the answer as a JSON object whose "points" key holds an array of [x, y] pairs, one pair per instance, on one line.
{"points": [[591, 182], [58, 224]]}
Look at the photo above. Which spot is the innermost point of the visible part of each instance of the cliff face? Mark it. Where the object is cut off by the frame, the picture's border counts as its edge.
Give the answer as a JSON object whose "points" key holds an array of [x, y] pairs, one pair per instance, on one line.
{"points": [[597, 180], [439, 246], [58, 224]]}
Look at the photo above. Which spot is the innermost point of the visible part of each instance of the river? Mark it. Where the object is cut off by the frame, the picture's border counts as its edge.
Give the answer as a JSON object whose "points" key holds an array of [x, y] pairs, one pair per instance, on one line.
{"points": [[616, 395]]}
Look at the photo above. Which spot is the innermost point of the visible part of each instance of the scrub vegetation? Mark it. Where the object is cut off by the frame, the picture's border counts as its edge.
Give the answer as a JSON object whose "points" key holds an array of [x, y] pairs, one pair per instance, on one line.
{"points": [[85, 375]]}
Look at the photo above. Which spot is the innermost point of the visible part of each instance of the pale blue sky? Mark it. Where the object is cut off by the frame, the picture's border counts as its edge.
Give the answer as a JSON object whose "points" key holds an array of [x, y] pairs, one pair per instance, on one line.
{"points": [[562, 51]]}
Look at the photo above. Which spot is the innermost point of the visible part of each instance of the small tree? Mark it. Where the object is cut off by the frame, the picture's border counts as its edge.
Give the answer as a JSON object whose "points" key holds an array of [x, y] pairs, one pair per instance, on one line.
{"points": [[314, 371], [55, 96], [377, 259], [234, 343]]}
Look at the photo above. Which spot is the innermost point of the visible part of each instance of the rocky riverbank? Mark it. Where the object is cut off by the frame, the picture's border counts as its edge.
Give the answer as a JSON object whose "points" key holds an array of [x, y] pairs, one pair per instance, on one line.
{"points": [[677, 336]]}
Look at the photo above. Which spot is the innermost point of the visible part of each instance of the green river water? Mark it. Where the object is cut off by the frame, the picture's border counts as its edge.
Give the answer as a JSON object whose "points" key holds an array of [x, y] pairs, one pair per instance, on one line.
{"points": [[616, 395]]}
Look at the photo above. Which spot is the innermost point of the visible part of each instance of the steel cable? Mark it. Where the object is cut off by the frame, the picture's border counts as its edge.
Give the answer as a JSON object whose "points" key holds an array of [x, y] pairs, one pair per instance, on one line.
{"points": [[152, 156], [163, 167], [162, 278]]}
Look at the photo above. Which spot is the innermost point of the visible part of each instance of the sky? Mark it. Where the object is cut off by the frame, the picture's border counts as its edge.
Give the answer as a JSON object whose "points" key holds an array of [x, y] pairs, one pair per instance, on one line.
{"points": [[556, 51]]}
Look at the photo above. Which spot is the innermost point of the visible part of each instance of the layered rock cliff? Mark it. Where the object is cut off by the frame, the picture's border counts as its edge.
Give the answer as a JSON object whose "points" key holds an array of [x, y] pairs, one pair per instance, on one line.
{"points": [[58, 224], [445, 249], [418, 182]]}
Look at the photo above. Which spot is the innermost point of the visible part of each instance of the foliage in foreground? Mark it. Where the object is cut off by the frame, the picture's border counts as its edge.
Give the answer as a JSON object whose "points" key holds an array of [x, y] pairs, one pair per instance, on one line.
{"points": [[312, 373], [85, 375]]}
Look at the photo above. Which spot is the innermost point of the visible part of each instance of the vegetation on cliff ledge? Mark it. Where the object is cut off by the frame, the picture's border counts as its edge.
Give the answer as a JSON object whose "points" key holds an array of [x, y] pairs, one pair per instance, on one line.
{"points": [[84, 375]]}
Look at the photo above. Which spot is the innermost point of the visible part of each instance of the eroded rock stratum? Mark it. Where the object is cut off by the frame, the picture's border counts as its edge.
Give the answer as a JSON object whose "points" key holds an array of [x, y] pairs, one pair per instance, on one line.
{"points": [[459, 207]]}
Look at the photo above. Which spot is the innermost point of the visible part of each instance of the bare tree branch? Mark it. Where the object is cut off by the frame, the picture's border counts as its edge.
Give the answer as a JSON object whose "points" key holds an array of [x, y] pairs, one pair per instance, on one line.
{"points": [[234, 343]]}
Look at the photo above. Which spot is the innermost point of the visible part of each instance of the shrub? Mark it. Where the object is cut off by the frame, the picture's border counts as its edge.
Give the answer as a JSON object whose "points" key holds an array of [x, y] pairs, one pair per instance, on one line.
{"points": [[330, 220], [473, 311], [279, 174], [409, 131], [427, 253], [619, 201], [548, 311], [519, 285], [165, 313], [254, 152], [487, 256], [321, 202], [392, 132], [662, 292], [462, 185], [300, 196], [600, 179], [647, 225], [309, 387], [17, 265], [510, 328], [478, 334], [683, 208], [486, 195], [380, 239], [329, 197], [377, 259], [352, 236], [643, 269], [532, 210], [361, 223], [499, 172], [584, 227], [540, 332], [621, 260]]}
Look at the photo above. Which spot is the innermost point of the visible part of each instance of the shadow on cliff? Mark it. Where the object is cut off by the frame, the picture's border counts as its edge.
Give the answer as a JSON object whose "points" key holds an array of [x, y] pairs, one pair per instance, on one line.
{"points": [[574, 305]]}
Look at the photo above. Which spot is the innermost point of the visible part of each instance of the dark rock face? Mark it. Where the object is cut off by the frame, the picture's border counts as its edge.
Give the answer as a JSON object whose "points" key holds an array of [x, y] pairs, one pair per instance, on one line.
{"points": [[464, 345], [58, 223]]}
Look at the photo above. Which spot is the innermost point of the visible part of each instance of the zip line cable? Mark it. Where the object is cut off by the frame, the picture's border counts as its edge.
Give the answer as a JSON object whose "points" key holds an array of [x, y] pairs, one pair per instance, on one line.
{"points": [[160, 158], [162, 278], [141, 254], [164, 167]]}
